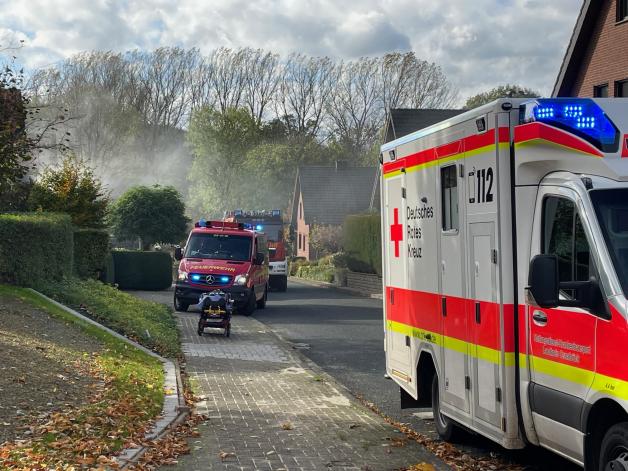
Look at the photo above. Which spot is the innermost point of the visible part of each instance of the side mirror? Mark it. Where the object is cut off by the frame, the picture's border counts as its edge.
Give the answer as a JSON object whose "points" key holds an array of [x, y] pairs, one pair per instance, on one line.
{"points": [[178, 253], [259, 258], [543, 280]]}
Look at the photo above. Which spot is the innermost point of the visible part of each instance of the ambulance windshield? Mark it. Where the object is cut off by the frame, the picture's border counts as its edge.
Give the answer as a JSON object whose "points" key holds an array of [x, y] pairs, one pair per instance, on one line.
{"points": [[611, 207], [219, 247]]}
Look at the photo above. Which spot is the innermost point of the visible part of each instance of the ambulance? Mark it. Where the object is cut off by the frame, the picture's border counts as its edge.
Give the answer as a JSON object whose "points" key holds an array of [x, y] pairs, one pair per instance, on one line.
{"points": [[505, 272]]}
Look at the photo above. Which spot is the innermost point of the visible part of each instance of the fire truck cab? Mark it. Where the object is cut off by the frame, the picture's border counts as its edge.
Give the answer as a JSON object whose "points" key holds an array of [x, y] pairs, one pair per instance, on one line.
{"points": [[270, 222], [505, 272], [225, 256]]}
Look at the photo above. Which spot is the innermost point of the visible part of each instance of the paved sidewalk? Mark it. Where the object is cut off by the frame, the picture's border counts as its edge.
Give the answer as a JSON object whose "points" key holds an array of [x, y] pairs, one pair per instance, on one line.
{"points": [[269, 411]]}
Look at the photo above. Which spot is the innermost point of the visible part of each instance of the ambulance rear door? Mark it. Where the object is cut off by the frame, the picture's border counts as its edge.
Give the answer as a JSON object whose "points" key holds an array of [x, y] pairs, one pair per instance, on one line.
{"points": [[398, 333]]}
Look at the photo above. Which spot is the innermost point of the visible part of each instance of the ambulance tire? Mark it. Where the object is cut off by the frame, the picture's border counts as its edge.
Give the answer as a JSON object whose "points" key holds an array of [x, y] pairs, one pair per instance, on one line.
{"points": [[261, 304], [614, 449], [444, 426]]}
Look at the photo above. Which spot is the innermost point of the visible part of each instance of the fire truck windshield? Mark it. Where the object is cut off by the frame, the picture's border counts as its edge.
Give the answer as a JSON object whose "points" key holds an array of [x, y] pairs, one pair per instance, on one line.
{"points": [[611, 207], [274, 232], [219, 247]]}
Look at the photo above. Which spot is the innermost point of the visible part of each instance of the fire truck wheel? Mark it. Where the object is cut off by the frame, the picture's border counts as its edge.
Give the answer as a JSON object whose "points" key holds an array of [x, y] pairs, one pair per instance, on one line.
{"points": [[445, 427], [261, 304], [614, 449], [282, 284], [249, 307], [180, 305]]}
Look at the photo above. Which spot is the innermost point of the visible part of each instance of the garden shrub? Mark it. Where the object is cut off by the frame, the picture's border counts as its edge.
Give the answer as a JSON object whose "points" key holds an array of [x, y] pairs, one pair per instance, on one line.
{"points": [[362, 242], [142, 270], [91, 249], [34, 247]]}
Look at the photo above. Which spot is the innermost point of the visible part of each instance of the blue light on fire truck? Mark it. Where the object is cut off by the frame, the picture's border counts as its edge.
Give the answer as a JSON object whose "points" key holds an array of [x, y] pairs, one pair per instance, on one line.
{"points": [[582, 117], [259, 227], [196, 277], [224, 279]]}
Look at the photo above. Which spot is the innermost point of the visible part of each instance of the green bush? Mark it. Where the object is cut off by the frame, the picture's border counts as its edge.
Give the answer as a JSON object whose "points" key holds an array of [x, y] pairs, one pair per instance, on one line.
{"points": [[35, 246], [91, 248], [362, 242], [296, 263], [151, 324], [142, 270], [315, 272]]}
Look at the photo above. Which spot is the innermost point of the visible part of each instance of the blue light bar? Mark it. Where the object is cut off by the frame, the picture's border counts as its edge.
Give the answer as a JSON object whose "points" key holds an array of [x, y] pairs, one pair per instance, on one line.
{"points": [[196, 277], [259, 227], [580, 116], [224, 279]]}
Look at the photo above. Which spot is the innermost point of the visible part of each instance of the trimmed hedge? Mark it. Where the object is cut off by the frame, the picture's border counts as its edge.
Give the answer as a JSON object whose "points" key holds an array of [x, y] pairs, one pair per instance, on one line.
{"points": [[142, 270], [362, 241], [35, 247], [91, 248]]}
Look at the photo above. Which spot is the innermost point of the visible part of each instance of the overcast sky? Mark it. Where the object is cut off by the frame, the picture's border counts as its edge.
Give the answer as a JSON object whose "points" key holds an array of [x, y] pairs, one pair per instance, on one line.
{"points": [[479, 43]]}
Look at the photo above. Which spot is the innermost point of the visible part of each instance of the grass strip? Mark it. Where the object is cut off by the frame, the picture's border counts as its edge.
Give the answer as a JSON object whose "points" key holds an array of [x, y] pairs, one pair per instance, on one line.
{"points": [[117, 414], [148, 323]]}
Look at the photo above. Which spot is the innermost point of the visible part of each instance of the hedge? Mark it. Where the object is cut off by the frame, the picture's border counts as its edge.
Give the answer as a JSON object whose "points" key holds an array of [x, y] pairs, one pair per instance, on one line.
{"points": [[35, 247], [316, 272], [91, 248], [142, 270], [362, 241]]}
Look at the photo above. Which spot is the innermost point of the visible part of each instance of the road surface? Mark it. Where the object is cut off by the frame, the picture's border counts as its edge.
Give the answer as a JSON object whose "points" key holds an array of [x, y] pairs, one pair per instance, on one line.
{"points": [[343, 335]]}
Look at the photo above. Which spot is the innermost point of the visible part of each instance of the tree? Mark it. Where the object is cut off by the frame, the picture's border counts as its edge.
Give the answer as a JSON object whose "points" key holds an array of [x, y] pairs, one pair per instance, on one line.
{"points": [[152, 214], [503, 91], [71, 188]]}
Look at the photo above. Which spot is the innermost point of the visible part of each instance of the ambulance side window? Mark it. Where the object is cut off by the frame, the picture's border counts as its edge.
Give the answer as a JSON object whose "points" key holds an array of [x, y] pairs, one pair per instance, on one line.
{"points": [[563, 236], [449, 197]]}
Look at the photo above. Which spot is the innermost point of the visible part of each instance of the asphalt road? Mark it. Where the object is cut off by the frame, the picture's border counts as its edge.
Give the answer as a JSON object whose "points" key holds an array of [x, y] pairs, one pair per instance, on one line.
{"points": [[343, 335]]}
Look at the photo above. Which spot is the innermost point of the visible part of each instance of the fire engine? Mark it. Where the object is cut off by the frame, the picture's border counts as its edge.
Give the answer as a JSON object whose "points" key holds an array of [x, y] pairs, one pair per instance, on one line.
{"points": [[223, 256], [269, 222], [505, 260]]}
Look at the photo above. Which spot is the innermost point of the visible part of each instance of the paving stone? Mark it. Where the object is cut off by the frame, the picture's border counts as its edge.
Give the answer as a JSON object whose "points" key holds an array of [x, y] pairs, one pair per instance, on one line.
{"points": [[266, 406]]}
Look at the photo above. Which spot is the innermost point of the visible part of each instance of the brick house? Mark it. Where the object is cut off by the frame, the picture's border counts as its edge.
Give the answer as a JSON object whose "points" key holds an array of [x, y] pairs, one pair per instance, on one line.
{"points": [[596, 60], [326, 196]]}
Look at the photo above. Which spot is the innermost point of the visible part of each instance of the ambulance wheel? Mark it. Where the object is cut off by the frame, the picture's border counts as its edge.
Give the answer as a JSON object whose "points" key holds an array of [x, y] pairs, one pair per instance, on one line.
{"points": [[249, 307], [444, 426], [261, 304], [614, 449], [180, 306]]}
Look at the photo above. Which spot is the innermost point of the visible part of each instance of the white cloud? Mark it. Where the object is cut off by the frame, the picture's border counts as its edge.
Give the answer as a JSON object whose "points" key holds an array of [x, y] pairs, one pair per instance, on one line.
{"points": [[479, 44]]}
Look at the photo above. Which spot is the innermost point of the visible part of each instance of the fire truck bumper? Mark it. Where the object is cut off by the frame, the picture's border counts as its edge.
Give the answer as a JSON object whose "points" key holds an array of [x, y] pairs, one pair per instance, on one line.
{"points": [[190, 295]]}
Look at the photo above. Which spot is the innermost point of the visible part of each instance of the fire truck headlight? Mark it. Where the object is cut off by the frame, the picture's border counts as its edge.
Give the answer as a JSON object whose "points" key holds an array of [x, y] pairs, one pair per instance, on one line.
{"points": [[240, 280], [183, 275]]}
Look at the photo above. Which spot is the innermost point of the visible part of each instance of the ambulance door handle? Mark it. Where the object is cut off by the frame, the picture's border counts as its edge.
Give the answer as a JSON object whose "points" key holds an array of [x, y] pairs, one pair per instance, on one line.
{"points": [[539, 318], [478, 315]]}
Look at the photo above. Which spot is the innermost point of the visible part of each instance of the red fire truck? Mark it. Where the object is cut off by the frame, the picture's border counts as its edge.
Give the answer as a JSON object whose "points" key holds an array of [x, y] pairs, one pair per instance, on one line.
{"points": [[270, 223], [226, 256], [505, 261]]}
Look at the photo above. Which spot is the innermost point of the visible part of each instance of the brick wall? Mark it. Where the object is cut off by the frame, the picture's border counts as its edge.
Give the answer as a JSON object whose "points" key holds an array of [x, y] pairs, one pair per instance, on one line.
{"points": [[606, 59], [364, 282]]}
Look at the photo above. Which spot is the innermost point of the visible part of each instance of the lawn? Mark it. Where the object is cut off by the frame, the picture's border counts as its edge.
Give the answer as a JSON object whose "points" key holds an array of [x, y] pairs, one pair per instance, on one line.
{"points": [[123, 389]]}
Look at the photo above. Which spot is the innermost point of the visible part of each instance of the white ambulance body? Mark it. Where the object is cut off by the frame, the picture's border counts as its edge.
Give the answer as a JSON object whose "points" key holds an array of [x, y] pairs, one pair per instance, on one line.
{"points": [[517, 203]]}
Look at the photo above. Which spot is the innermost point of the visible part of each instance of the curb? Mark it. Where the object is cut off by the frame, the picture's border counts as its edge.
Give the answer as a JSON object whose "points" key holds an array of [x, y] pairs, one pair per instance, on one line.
{"points": [[324, 284], [174, 410]]}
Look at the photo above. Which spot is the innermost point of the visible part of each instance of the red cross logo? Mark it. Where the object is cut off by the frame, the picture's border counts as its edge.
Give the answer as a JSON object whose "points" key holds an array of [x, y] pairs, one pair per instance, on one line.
{"points": [[396, 232]]}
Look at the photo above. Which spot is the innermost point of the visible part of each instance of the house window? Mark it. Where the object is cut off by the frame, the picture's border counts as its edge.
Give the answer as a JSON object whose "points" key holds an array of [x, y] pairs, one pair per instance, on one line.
{"points": [[301, 210], [304, 246], [449, 196], [622, 10], [600, 91], [621, 88], [299, 241]]}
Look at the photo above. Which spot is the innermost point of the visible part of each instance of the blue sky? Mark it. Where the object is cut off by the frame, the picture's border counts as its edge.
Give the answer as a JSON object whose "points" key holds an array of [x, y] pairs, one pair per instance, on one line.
{"points": [[479, 43]]}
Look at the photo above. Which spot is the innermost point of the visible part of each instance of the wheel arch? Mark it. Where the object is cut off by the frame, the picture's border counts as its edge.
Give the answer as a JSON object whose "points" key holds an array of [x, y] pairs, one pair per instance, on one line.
{"points": [[597, 418]]}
